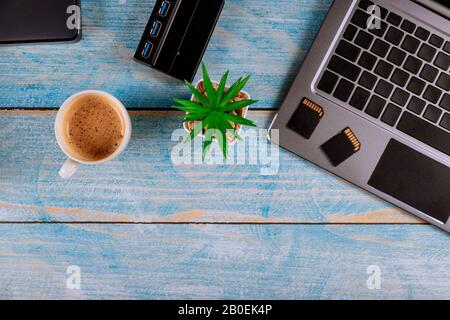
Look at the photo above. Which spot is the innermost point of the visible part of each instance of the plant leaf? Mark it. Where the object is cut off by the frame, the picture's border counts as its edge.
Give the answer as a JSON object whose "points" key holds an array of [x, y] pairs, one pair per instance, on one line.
{"points": [[193, 117], [207, 143], [221, 135], [239, 120], [200, 97], [231, 130], [189, 103], [238, 105], [234, 91], [222, 84], [193, 109], [209, 86], [194, 133]]}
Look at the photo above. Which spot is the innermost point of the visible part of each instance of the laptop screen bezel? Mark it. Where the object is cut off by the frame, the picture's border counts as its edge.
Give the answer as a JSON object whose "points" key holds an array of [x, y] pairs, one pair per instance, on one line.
{"points": [[441, 7]]}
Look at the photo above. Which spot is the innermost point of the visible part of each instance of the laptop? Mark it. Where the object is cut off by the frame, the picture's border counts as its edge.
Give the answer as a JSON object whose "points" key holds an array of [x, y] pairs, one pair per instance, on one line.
{"points": [[371, 102]]}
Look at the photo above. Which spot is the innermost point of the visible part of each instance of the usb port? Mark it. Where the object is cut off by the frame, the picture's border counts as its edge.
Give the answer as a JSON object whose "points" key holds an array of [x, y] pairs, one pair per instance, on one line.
{"points": [[164, 8], [148, 47], [155, 29]]}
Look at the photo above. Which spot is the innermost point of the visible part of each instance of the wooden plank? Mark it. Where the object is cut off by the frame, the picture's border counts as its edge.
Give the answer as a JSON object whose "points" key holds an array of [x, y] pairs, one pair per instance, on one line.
{"points": [[143, 185], [223, 262], [267, 39]]}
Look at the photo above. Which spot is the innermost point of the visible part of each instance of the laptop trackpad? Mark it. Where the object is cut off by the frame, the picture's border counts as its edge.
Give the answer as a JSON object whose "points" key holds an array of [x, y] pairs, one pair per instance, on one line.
{"points": [[414, 179]]}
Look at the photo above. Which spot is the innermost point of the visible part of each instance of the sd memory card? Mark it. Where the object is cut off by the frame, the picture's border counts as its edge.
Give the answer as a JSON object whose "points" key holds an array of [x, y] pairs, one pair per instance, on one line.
{"points": [[306, 118], [341, 147]]}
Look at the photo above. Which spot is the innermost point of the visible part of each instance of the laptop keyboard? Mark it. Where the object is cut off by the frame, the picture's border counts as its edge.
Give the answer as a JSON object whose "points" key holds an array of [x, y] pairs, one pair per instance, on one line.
{"points": [[397, 74]]}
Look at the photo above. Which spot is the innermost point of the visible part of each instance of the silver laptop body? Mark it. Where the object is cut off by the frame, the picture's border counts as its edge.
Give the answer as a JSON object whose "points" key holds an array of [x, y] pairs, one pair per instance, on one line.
{"points": [[371, 103]]}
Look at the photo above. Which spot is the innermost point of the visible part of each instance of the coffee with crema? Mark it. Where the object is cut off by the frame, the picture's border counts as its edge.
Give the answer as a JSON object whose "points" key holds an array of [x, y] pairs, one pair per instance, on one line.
{"points": [[94, 128]]}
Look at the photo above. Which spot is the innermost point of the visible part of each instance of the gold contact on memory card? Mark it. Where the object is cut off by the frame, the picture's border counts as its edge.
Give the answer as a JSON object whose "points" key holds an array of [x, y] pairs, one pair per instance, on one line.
{"points": [[353, 139], [314, 107]]}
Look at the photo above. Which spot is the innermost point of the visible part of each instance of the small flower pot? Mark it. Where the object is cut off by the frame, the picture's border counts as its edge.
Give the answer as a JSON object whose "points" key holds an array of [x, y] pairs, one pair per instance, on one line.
{"points": [[243, 95]]}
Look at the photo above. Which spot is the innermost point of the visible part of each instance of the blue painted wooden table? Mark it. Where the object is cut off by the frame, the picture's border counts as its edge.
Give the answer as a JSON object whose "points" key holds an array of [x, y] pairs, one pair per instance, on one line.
{"points": [[144, 227]]}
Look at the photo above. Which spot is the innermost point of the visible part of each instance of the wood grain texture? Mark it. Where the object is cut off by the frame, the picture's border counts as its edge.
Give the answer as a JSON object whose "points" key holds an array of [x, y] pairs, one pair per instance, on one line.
{"points": [[120, 222], [223, 262], [267, 39], [144, 185]]}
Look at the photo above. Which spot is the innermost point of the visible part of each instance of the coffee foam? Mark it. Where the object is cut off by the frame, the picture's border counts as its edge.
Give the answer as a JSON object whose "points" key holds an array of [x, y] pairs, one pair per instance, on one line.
{"points": [[94, 128]]}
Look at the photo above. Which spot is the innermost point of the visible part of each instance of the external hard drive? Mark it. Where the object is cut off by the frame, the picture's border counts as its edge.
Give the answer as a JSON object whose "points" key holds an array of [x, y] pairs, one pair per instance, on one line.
{"points": [[30, 21], [177, 35]]}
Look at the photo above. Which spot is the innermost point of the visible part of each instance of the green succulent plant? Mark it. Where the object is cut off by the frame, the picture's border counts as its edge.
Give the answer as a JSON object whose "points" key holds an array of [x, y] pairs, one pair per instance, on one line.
{"points": [[213, 110]]}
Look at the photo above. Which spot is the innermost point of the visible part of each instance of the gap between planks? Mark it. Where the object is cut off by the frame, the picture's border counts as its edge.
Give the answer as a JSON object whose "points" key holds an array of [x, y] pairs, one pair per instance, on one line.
{"points": [[132, 111]]}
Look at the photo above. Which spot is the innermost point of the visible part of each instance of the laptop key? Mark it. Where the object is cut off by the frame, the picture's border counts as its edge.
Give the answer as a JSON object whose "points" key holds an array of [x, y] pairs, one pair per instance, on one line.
{"points": [[400, 77], [348, 50], [400, 97], [328, 82], [416, 86], [447, 47], [432, 113], [360, 19], [408, 26], [381, 30], [394, 36], [425, 132], [359, 98], [380, 48], [429, 73], [394, 19], [391, 114], [445, 102], [364, 4], [442, 61], [396, 56], [384, 88], [410, 44], [367, 80], [384, 69], [444, 81], [343, 90], [432, 94], [426, 52], [413, 65], [436, 41], [445, 122], [422, 34], [350, 32], [344, 68], [367, 60], [375, 107], [416, 105], [364, 39]]}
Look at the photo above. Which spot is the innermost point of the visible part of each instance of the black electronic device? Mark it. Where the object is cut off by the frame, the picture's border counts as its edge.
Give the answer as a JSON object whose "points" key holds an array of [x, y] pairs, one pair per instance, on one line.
{"points": [[30, 21], [177, 35]]}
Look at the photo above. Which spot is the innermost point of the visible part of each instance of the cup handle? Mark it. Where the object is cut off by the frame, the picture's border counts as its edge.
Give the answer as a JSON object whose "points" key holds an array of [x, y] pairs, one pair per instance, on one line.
{"points": [[68, 169]]}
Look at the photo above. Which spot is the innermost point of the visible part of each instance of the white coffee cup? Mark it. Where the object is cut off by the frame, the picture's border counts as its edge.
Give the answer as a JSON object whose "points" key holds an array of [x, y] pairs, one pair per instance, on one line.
{"points": [[72, 163]]}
